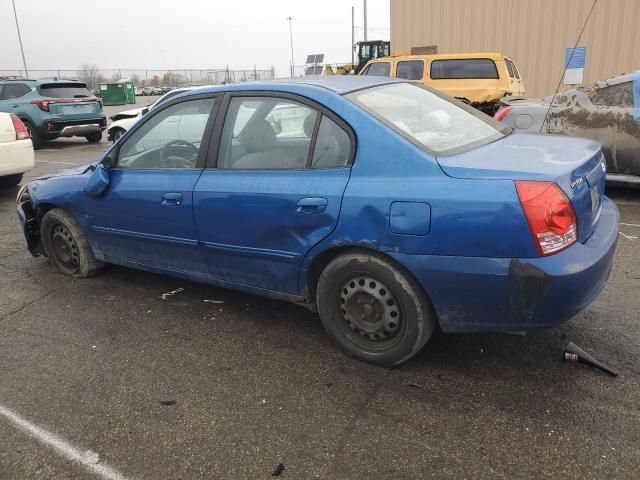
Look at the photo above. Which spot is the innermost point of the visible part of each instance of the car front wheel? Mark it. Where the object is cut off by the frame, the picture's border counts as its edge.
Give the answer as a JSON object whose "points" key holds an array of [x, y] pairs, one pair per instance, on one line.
{"points": [[66, 246], [373, 309], [118, 132]]}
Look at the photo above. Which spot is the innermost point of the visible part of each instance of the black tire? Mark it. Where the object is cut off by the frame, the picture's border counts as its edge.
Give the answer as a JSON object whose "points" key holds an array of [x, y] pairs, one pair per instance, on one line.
{"points": [[94, 137], [117, 133], [379, 335], [10, 180], [36, 138], [66, 246]]}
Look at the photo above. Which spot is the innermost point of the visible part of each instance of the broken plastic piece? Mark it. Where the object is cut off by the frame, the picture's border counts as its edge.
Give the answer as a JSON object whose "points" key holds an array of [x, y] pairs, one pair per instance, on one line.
{"points": [[573, 353], [278, 470]]}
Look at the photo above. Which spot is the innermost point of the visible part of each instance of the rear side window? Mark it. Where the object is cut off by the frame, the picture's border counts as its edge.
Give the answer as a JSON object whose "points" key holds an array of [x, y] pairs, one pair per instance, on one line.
{"points": [[615, 95], [513, 71], [380, 69], [412, 70], [14, 90], [463, 68], [64, 90], [333, 146]]}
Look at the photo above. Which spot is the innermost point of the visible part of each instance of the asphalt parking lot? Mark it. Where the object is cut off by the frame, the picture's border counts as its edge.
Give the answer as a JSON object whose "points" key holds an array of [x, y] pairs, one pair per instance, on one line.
{"points": [[258, 383]]}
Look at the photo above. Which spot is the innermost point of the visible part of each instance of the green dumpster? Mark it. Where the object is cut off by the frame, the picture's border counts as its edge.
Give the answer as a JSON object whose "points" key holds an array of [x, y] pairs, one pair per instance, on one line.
{"points": [[118, 93]]}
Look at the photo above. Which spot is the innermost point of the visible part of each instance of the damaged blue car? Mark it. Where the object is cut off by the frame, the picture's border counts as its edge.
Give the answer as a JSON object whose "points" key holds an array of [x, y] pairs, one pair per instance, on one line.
{"points": [[386, 206]]}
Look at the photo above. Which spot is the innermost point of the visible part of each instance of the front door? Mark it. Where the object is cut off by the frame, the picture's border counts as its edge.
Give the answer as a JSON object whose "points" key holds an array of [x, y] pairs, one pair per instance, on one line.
{"points": [[282, 168], [146, 215]]}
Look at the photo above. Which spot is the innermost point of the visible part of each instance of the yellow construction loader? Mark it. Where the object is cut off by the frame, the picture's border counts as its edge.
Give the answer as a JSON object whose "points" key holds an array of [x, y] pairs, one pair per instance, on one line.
{"points": [[365, 51]]}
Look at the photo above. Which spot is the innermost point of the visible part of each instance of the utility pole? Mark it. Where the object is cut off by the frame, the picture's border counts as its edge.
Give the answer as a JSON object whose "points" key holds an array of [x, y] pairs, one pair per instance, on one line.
{"points": [[353, 34], [291, 39], [365, 20], [24, 62]]}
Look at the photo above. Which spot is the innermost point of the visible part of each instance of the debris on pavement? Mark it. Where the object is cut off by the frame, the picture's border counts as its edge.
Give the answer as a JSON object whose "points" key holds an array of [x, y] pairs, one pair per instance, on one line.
{"points": [[164, 296], [213, 301], [167, 399], [574, 354], [413, 385], [278, 470]]}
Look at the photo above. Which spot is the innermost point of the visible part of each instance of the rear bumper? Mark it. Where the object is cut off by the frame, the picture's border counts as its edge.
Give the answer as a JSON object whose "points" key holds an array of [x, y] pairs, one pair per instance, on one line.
{"points": [[505, 294], [74, 128], [16, 157]]}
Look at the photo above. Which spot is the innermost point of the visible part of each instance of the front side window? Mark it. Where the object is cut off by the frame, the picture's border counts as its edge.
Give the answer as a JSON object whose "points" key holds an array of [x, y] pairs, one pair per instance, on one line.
{"points": [[266, 133], [380, 69], [170, 139], [429, 118], [14, 90], [410, 70], [463, 68]]}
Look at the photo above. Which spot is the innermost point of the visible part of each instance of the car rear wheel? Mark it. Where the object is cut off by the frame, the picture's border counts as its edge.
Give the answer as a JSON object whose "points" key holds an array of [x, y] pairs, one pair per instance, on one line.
{"points": [[94, 137], [36, 138], [373, 309], [66, 246], [10, 180]]}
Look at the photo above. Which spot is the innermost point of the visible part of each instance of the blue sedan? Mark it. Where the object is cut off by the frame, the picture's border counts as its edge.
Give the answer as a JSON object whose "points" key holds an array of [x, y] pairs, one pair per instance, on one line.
{"points": [[386, 206]]}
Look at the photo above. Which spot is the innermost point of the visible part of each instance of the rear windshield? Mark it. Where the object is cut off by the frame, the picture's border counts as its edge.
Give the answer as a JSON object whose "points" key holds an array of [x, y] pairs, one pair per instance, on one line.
{"points": [[463, 68], [64, 90], [440, 124]]}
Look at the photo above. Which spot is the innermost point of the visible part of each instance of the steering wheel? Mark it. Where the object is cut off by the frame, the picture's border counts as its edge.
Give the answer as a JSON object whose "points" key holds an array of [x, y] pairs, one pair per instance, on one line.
{"points": [[178, 154]]}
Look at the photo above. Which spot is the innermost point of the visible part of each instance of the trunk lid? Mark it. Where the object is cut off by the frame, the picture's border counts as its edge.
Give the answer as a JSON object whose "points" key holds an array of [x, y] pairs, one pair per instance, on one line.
{"points": [[70, 100], [575, 165]]}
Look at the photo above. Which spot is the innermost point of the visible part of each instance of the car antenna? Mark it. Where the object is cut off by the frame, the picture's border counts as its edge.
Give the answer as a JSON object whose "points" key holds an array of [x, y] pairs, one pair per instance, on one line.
{"points": [[564, 72]]}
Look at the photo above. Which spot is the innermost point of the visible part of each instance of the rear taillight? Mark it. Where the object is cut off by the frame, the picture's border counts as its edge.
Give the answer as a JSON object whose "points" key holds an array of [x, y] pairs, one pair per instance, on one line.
{"points": [[22, 133], [550, 216], [42, 104], [503, 112]]}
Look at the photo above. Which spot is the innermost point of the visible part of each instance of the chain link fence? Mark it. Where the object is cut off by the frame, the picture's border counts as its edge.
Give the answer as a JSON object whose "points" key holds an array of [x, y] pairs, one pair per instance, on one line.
{"points": [[92, 75]]}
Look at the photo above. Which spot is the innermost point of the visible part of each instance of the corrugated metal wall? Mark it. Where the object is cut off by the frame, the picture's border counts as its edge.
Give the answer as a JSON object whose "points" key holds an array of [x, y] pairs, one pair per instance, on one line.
{"points": [[535, 33]]}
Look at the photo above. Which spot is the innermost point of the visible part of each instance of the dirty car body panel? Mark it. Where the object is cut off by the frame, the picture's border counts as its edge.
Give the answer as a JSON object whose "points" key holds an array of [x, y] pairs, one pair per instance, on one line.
{"points": [[451, 217], [603, 112]]}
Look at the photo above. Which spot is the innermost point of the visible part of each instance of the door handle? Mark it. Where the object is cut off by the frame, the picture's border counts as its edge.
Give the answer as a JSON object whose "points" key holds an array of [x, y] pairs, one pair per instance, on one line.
{"points": [[311, 205], [171, 198]]}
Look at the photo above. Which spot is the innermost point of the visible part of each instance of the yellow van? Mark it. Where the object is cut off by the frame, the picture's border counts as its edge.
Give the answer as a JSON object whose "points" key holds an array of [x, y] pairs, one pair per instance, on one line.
{"points": [[480, 79]]}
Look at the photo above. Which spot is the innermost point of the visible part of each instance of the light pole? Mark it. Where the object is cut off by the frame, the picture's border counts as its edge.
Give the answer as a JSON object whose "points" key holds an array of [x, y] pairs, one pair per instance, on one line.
{"points": [[291, 39], [24, 62]]}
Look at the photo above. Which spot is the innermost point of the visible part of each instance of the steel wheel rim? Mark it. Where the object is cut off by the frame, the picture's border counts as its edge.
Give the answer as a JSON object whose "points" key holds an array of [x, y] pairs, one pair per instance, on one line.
{"points": [[370, 309], [65, 248]]}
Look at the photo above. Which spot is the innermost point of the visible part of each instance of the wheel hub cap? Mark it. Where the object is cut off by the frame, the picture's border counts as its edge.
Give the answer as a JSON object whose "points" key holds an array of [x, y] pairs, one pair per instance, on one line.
{"points": [[65, 248], [369, 308]]}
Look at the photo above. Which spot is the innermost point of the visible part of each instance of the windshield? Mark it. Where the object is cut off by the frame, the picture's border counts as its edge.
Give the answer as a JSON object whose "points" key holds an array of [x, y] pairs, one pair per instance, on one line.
{"points": [[442, 125]]}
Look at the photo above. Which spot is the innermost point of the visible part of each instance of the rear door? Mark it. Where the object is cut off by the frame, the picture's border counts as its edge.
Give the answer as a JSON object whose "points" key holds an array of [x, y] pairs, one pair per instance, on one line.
{"points": [[273, 188]]}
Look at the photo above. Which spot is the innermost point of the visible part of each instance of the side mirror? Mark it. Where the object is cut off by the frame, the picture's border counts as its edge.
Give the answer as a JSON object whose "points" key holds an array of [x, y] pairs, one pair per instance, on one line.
{"points": [[145, 111], [97, 182], [108, 162], [636, 96]]}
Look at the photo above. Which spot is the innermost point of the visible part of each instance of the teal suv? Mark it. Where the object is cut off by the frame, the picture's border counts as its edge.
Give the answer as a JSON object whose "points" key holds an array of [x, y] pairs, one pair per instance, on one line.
{"points": [[54, 108]]}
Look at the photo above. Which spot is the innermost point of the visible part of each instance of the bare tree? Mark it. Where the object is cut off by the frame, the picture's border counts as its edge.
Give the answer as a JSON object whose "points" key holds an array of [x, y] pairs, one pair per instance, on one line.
{"points": [[90, 74]]}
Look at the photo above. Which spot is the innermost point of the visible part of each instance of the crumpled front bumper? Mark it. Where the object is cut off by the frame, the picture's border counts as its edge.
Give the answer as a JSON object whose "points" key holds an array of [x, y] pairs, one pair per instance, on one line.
{"points": [[508, 294]]}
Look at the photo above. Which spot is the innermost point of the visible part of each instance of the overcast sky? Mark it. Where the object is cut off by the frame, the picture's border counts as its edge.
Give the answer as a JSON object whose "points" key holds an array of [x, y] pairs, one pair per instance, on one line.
{"points": [[199, 34]]}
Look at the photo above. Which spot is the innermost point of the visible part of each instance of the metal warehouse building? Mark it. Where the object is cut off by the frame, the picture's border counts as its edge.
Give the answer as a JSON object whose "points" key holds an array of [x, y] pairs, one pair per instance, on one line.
{"points": [[535, 33]]}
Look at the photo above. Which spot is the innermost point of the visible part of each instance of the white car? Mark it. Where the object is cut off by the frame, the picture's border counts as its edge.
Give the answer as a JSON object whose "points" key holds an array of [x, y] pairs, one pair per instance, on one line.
{"points": [[124, 120], [16, 150]]}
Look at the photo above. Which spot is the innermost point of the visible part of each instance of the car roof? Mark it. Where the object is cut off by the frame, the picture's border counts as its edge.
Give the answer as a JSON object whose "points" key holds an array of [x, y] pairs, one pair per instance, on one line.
{"points": [[442, 56], [340, 84]]}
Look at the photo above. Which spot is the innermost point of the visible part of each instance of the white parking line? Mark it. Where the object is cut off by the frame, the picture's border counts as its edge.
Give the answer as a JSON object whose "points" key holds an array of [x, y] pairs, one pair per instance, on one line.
{"points": [[628, 237], [88, 459], [630, 224]]}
